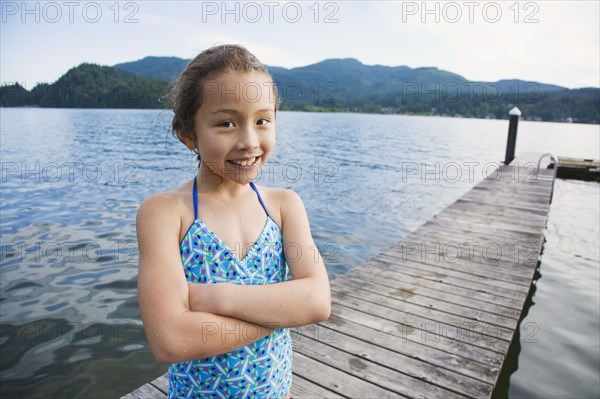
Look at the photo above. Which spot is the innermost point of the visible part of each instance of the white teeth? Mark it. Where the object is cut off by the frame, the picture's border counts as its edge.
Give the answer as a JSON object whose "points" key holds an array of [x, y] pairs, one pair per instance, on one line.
{"points": [[245, 162]]}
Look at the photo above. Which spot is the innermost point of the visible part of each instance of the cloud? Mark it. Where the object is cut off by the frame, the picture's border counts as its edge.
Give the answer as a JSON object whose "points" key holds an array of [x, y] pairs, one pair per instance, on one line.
{"points": [[561, 48], [547, 41]]}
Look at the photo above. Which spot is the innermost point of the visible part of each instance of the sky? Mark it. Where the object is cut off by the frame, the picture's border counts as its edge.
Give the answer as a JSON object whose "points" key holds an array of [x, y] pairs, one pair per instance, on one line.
{"points": [[549, 41]]}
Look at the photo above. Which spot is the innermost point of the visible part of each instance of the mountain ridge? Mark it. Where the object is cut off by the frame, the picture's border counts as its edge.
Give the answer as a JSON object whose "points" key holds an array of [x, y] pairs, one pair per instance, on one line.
{"points": [[332, 85], [171, 66]]}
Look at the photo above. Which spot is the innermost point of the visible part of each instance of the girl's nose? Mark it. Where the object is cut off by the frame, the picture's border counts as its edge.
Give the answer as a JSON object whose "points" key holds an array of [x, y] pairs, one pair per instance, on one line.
{"points": [[248, 139]]}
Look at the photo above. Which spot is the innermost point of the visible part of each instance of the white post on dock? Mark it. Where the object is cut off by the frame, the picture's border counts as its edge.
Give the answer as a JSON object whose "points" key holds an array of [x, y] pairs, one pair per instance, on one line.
{"points": [[514, 115]]}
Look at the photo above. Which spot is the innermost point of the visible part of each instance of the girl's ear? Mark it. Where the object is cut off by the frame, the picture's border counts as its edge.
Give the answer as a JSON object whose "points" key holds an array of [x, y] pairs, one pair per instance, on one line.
{"points": [[188, 141]]}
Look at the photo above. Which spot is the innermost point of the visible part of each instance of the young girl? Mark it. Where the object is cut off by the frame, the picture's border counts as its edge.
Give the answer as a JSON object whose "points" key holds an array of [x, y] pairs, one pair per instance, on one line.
{"points": [[214, 253]]}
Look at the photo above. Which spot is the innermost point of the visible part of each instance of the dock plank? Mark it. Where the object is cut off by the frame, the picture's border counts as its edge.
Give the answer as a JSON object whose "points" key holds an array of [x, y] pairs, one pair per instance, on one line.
{"points": [[439, 284], [467, 267], [408, 286], [147, 391], [421, 374], [433, 268], [577, 168], [429, 335], [305, 389], [410, 345], [338, 381], [162, 383], [431, 309], [484, 336], [352, 286], [421, 314], [370, 370]]}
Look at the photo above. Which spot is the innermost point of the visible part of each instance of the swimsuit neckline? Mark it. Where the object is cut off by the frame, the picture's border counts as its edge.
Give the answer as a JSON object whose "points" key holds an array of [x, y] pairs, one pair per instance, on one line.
{"points": [[215, 238], [224, 246]]}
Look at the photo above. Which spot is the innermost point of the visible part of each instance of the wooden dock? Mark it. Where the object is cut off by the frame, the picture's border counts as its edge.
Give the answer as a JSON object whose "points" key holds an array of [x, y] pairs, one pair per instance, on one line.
{"points": [[432, 316], [578, 169]]}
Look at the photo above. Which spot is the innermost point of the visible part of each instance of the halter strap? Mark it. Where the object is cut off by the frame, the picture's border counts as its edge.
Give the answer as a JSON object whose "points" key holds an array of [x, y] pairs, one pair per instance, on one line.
{"points": [[260, 198], [195, 198]]}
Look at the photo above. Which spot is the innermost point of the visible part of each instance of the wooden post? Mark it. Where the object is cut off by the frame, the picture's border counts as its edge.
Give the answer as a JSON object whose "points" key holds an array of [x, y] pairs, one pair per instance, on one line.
{"points": [[514, 114]]}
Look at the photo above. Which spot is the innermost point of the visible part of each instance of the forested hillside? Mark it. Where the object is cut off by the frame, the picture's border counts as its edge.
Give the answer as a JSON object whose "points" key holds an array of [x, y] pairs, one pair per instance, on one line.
{"points": [[332, 85]]}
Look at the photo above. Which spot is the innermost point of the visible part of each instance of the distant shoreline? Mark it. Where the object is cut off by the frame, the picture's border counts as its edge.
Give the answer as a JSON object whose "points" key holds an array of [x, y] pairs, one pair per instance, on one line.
{"points": [[523, 119]]}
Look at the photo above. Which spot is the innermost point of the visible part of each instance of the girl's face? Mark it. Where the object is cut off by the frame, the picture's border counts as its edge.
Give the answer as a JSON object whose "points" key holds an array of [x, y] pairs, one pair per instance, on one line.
{"points": [[235, 126]]}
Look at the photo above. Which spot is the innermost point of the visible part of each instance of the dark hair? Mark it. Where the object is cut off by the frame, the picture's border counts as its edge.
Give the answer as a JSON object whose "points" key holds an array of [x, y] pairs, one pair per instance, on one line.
{"points": [[185, 94]]}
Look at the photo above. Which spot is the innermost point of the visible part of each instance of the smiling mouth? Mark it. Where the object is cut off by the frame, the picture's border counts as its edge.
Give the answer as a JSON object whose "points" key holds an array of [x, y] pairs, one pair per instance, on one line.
{"points": [[246, 162]]}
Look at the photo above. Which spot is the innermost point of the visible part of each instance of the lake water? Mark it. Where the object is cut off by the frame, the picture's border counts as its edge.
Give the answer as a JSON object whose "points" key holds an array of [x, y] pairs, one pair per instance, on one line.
{"points": [[72, 181]]}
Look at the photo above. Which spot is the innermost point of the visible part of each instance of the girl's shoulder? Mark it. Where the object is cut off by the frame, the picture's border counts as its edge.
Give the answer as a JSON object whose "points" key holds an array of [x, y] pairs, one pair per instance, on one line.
{"points": [[281, 202], [278, 194], [169, 204]]}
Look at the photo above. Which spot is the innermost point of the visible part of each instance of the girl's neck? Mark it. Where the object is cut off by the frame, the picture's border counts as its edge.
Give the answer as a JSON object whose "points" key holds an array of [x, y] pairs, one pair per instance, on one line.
{"points": [[210, 182]]}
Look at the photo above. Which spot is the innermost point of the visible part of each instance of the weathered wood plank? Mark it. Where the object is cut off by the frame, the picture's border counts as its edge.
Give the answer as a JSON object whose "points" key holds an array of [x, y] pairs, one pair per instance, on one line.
{"points": [[492, 255], [440, 284], [503, 297], [526, 204], [524, 253], [580, 169], [146, 391], [392, 260], [384, 352], [466, 267], [503, 224], [369, 370], [420, 311], [412, 344], [534, 212], [338, 381], [503, 189], [162, 383], [513, 258], [371, 351], [426, 307], [482, 232], [477, 244], [305, 389], [433, 334], [484, 336], [472, 201], [448, 222], [414, 286], [497, 223], [510, 193], [351, 285], [473, 232]]}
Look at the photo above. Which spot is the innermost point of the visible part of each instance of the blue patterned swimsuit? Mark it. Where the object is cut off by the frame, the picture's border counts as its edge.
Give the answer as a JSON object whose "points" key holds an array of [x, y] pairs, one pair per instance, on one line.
{"points": [[262, 369]]}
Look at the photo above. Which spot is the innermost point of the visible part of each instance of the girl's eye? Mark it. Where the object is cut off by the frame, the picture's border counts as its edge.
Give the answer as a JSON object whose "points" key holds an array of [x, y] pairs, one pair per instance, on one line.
{"points": [[226, 124], [262, 122]]}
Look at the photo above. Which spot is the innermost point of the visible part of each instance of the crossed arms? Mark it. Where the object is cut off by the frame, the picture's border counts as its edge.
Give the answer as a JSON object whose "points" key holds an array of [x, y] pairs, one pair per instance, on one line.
{"points": [[186, 321]]}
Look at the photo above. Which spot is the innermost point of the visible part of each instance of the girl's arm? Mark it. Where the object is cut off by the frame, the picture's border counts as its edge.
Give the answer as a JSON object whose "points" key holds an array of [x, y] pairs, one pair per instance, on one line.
{"points": [[304, 300], [173, 331]]}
